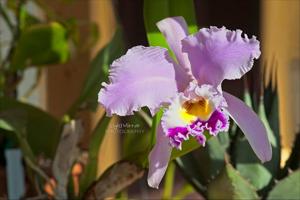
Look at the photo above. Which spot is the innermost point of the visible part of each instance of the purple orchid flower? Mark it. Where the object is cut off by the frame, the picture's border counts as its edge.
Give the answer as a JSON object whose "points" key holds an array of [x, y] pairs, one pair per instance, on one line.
{"points": [[189, 90]]}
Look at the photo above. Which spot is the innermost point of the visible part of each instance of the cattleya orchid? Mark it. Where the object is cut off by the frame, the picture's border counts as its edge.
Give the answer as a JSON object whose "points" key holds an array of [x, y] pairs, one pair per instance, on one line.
{"points": [[188, 89]]}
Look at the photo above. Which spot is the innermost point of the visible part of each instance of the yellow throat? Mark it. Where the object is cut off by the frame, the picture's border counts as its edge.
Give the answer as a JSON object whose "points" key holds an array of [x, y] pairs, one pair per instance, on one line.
{"points": [[201, 109]]}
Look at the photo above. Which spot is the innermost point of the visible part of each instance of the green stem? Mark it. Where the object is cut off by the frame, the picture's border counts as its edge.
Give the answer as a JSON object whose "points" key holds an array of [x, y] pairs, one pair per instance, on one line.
{"points": [[186, 190], [169, 181]]}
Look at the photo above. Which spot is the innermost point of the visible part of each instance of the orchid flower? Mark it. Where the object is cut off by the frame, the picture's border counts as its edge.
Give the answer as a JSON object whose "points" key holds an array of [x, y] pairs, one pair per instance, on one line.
{"points": [[188, 89]]}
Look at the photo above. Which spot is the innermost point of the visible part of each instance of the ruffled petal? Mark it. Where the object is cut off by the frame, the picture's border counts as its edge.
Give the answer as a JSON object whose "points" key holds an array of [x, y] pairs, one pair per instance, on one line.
{"points": [[145, 76], [175, 29], [158, 159], [251, 126], [216, 54]]}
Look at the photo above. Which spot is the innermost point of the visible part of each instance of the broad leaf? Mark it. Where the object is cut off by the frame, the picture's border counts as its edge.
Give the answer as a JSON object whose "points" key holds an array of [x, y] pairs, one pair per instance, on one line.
{"points": [[42, 130], [231, 185], [288, 188], [41, 44], [247, 163]]}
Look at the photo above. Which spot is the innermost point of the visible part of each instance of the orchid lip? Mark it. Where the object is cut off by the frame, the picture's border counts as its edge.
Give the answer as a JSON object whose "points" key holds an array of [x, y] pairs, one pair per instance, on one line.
{"points": [[199, 109], [218, 122]]}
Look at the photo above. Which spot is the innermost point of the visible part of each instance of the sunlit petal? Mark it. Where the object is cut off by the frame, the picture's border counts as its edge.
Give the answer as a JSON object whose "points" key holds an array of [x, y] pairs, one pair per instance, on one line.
{"points": [[217, 54], [145, 76]]}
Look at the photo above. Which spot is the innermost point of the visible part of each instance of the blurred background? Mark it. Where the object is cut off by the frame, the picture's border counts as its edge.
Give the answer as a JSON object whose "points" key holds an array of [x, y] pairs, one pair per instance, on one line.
{"points": [[54, 56]]}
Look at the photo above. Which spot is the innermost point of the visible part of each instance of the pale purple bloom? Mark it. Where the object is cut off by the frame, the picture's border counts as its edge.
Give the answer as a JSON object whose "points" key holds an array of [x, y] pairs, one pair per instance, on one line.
{"points": [[189, 90]]}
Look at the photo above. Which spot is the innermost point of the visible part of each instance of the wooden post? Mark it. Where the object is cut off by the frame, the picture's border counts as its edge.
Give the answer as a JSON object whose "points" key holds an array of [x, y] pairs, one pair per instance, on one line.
{"points": [[102, 13], [280, 41]]}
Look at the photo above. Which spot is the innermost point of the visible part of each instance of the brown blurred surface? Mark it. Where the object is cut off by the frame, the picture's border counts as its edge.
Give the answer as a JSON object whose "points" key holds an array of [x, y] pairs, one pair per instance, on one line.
{"points": [[62, 83]]}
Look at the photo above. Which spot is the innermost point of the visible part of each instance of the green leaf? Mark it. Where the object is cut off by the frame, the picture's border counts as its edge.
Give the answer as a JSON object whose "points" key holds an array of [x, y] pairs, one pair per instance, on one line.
{"points": [[198, 174], [271, 115], [90, 171], [26, 19], [98, 73], [166, 8], [231, 185], [274, 137], [270, 99], [187, 146], [194, 172], [288, 188], [216, 154], [41, 44], [42, 130], [247, 163], [263, 117], [138, 152], [134, 129], [14, 121]]}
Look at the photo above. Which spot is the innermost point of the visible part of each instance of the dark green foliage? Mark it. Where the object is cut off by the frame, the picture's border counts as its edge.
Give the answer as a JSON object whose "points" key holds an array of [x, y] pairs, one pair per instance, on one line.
{"points": [[42, 130]]}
